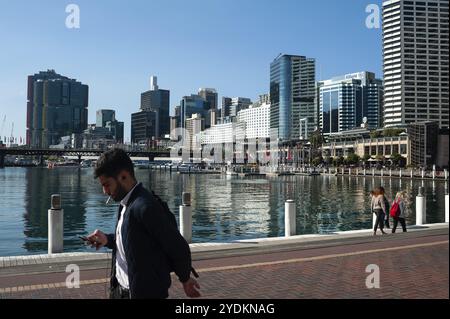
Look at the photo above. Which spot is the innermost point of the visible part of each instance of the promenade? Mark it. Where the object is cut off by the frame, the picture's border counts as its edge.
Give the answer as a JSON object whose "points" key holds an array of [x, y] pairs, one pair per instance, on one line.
{"points": [[411, 265]]}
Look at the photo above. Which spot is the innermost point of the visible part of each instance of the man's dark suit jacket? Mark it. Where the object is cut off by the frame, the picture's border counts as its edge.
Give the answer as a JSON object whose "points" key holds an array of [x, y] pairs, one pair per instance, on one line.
{"points": [[153, 247]]}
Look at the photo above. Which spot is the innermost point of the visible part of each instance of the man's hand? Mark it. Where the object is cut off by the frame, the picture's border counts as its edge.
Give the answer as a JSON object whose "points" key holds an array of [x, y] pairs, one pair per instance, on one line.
{"points": [[190, 288], [97, 239]]}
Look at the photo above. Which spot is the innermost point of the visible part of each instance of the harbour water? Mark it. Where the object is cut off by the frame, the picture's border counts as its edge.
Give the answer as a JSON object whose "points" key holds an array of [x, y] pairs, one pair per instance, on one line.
{"points": [[224, 208]]}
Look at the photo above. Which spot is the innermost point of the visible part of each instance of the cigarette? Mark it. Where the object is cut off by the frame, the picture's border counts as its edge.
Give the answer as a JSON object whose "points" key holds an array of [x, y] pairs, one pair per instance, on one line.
{"points": [[108, 200]]}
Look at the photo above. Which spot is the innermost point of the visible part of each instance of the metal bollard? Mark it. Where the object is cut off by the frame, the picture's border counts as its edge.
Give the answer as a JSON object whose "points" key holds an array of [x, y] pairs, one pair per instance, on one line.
{"points": [[446, 207], [364, 172], [445, 174], [186, 217], [390, 172], [420, 207], [423, 173], [373, 171], [400, 173], [55, 226], [289, 218], [382, 172]]}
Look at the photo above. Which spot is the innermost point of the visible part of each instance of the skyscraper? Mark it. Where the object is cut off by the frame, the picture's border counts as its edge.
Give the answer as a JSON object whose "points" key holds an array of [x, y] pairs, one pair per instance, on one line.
{"points": [[416, 61], [103, 116], [211, 97], [238, 104], [225, 110], [345, 101], [292, 92], [56, 107], [143, 126], [158, 101]]}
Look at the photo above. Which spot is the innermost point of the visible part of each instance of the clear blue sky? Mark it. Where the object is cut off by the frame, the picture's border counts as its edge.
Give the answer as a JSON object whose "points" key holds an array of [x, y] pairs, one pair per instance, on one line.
{"points": [[223, 44]]}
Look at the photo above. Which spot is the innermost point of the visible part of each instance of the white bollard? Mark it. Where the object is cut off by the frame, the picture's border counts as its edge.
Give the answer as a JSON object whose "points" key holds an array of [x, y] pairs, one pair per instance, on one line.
{"points": [[400, 173], [289, 218], [382, 173], [446, 207], [390, 172], [445, 174], [186, 217], [364, 172], [373, 171], [420, 208], [423, 173], [55, 226]]}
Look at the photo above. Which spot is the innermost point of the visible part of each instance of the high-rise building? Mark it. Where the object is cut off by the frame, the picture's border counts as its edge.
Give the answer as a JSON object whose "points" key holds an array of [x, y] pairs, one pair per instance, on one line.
{"points": [[257, 121], [225, 110], [158, 101], [211, 97], [57, 106], [293, 112], [424, 138], [191, 105], [195, 125], [239, 104], [107, 119], [103, 116], [143, 126], [346, 102], [416, 62]]}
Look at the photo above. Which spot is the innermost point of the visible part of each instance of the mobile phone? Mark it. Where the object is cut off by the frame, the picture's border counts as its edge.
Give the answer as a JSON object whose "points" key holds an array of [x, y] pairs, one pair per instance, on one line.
{"points": [[84, 238]]}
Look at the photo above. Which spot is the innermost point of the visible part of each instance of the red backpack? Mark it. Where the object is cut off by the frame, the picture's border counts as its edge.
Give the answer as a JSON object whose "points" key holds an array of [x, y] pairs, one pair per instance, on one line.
{"points": [[395, 210]]}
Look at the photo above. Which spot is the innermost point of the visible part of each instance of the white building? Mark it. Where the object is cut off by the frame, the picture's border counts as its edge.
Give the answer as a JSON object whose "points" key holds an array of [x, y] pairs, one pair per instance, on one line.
{"points": [[223, 133], [257, 121], [195, 126], [416, 61]]}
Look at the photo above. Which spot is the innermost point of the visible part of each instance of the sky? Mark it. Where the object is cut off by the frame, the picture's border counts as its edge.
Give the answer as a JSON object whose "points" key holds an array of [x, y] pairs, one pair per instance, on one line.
{"points": [[223, 44]]}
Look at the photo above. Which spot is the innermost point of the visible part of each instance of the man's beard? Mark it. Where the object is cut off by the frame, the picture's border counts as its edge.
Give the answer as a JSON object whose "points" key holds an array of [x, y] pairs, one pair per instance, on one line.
{"points": [[120, 193]]}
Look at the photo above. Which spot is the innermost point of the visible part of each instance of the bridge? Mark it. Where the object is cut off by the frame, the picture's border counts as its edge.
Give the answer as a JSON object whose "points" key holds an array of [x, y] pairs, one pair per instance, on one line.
{"points": [[151, 154]]}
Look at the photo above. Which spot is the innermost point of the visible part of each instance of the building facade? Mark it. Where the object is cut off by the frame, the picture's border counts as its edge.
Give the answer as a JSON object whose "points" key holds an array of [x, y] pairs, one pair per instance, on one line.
{"points": [[56, 106], [292, 92], [158, 101], [143, 127], [257, 121], [416, 62], [346, 102]]}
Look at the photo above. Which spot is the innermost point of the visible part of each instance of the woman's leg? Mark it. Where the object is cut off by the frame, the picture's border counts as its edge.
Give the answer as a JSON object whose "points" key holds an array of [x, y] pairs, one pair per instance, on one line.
{"points": [[395, 225], [381, 214], [403, 222], [377, 221]]}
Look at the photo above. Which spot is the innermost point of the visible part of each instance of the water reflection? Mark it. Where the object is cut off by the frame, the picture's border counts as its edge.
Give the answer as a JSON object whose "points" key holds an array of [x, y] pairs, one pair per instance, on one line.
{"points": [[224, 209]]}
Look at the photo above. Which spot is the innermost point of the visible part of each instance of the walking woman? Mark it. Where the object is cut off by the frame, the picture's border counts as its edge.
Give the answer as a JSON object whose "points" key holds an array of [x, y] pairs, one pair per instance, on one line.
{"points": [[378, 207], [399, 208]]}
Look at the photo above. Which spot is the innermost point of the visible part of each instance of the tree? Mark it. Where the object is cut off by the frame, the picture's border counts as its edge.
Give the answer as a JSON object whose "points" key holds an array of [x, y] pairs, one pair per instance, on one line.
{"points": [[389, 132], [376, 134], [338, 161], [317, 160], [398, 160], [352, 158]]}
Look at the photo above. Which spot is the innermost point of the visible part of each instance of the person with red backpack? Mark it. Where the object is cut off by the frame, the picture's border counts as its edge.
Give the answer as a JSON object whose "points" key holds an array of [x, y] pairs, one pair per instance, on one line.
{"points": [[398, 211]]}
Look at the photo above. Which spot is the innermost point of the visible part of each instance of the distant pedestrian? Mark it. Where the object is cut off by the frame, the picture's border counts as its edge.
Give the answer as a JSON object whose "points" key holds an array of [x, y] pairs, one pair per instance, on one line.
{"points": [[399, 209], [387, 206], [378, 207]]}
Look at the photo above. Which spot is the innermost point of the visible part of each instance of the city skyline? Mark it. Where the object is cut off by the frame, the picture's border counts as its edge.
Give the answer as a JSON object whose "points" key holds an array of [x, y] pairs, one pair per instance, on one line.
{"points": [[118, 73]]}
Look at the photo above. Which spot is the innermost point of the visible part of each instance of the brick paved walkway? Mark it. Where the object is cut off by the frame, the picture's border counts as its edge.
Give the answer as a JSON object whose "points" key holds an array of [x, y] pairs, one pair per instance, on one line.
{"points": [[409, 268]]}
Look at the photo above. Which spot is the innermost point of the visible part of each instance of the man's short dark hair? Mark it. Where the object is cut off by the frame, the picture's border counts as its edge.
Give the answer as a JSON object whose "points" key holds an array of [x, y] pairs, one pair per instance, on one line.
{"points": [[112, 162]]}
